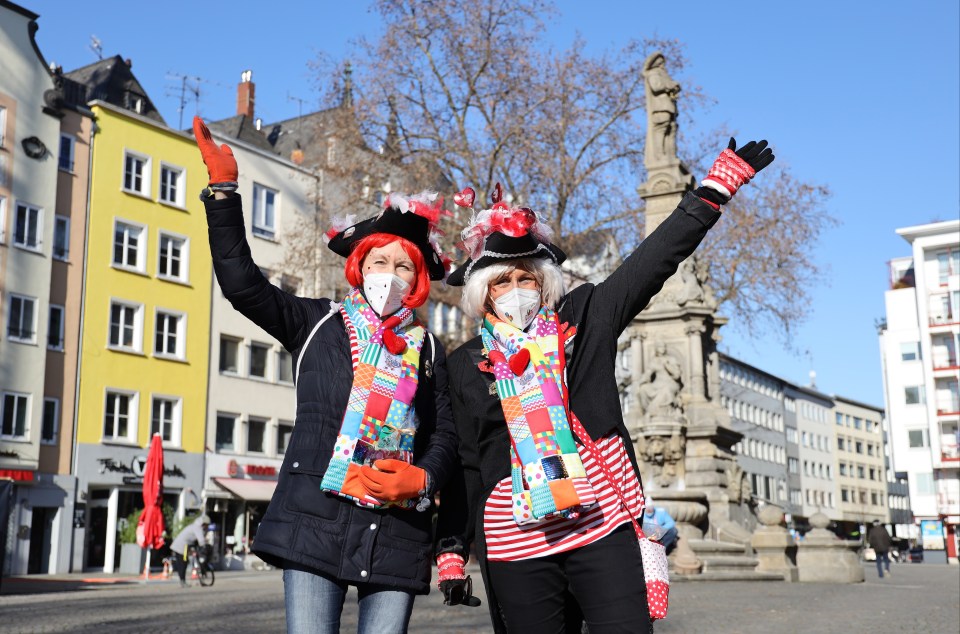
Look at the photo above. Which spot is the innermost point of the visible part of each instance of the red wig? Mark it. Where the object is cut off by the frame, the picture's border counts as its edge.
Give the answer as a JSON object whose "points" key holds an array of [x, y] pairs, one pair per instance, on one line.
{"points": [[421, 279]]}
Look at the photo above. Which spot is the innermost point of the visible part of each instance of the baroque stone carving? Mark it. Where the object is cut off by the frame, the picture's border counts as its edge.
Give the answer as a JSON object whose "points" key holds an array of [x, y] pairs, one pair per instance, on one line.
{"points": [[664, 455], [660, 385]]}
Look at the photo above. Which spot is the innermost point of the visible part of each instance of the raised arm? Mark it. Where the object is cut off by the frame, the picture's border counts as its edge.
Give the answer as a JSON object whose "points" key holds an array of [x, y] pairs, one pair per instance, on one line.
{"points": [[619, 298], [280, 314]]}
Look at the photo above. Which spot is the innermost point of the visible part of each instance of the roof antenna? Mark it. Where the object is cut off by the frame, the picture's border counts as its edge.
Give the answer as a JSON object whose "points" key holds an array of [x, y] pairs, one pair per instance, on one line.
{"points": [[96, 46], [300, 103], [191, 84]]}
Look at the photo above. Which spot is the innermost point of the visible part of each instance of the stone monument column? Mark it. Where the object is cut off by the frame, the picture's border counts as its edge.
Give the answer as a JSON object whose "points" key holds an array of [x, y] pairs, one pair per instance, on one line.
{"points": [[682, 434]]}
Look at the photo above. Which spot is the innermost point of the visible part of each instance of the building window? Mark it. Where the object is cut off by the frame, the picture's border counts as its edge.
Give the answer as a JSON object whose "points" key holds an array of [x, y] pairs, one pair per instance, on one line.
{"points": [[859, 447], [136, 174], [55, 327], [16, 413], [844, 495], [229, 355], [910, 351], [22, 319], [226, 428], [918, 438], [259, 353], [284, 367], [165, 420], [3, 211], [843, 469], [169, 340], [264, 210], [67, 143], [127, 241], [51, 421], [913, 395], [61, 237], [255, 434], [120, 416], [792, 465], [28, 227], [860, 472], [126, 322], [284, 431], [925, 485], [171, 185], [948, 263], [173, 258]]}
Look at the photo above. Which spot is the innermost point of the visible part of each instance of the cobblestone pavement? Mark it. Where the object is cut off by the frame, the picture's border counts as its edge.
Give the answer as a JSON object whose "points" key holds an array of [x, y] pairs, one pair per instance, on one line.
{"points": [[917, 598]]}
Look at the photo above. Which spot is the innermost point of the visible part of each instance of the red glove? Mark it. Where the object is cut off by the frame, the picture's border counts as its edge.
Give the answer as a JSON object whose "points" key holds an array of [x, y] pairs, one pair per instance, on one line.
{"points": [[221, 165], [453, 581], [393, 480]]}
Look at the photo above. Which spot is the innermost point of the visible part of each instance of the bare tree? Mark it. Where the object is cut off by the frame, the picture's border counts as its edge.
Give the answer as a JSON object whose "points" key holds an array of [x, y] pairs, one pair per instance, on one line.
{"points": [[470, 89]]}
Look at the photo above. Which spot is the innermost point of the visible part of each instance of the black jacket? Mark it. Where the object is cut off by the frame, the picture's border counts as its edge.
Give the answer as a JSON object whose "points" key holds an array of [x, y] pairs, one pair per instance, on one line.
{"points": [[304, 527], [600, 312]]}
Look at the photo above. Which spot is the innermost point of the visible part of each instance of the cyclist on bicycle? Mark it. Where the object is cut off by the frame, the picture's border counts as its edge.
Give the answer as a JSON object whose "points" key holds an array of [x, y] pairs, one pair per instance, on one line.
{"points": [[192, 534]]}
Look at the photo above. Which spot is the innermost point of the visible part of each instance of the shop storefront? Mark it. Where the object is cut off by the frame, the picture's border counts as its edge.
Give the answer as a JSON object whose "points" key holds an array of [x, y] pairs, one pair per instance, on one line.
{"points": [[38, 535], [236, 495], [110, 484]]}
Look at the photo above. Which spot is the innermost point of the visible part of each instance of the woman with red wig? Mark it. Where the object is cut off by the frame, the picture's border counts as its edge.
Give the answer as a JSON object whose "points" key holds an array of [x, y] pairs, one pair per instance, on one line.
{"points": [[374, 435]]}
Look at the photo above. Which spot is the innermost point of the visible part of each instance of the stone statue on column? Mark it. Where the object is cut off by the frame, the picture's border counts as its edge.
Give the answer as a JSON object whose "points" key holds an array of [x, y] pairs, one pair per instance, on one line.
{"points": [[661, 93]]}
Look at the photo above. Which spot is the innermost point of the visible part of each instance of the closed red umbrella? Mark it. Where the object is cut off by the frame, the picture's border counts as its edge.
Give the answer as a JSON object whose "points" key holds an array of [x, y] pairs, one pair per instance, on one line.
{"points": [[150, 527]]}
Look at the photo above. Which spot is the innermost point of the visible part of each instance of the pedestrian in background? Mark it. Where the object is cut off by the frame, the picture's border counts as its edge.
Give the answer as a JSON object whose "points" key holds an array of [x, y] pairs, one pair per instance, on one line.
{"points": [[374, 435], [193, 534], [659, 526], [879, 540]]}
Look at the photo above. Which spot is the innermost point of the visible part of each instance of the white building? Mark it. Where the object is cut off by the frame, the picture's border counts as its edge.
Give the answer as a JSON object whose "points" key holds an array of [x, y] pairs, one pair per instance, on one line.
{"points": [[818, 482], [919, 351]]}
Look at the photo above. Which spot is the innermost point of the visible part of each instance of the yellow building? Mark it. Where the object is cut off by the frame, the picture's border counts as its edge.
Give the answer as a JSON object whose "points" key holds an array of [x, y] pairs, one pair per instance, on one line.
{"points": [[146, 323]]}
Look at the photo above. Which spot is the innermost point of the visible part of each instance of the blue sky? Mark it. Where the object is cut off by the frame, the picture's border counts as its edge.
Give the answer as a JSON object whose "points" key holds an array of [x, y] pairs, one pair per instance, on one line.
{"points": [[863, 97]]}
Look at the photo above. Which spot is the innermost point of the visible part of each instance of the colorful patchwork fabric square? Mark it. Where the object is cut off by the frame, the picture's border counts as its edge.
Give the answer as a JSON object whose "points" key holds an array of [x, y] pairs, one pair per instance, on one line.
{"points": [[335, 474], [552, 396], [506, 389], [527, 451], [573, 465], [351, 423], [534, 474], [532, 400], [542, 498], [370, 429], [565, 441], [518, 429], [523, 508], [546, 445], [360, 452], [554, 468], [371, 355], [539, 421], [378, 405]]}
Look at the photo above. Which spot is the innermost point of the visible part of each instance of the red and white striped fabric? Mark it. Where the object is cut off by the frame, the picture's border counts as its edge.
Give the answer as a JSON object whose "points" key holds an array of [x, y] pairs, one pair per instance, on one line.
{"points": [[507, 541]]}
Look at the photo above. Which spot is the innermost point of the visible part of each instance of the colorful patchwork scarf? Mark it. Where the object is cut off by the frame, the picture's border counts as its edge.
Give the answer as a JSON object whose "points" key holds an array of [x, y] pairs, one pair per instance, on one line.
{"points": [[379, 421], [547, 475]]}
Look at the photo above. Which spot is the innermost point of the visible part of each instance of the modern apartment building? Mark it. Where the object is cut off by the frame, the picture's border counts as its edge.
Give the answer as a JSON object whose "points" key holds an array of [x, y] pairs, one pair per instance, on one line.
{"points": [[918, 344], [818, 484]]}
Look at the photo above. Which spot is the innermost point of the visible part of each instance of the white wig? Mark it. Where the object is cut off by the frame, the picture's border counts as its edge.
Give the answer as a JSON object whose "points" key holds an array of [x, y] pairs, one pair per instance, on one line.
{"points": [[476, 291]]}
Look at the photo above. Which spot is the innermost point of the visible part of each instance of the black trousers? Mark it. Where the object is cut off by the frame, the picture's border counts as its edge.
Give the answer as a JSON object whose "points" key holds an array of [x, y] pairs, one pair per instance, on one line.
{"points": [[604, 579], [179, 564]]}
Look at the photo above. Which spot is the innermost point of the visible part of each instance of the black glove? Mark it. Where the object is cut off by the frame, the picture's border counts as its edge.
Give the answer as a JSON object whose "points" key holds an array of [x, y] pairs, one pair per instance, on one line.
{"points": [[756, 154], [459, 592]]}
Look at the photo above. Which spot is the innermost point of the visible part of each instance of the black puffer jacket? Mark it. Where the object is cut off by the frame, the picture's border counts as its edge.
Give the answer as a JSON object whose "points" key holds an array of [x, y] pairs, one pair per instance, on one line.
{"points": [[304, 527], [600, 312]]}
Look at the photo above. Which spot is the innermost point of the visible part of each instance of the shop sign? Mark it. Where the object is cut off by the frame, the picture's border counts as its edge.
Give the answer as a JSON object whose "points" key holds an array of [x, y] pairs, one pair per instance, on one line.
{"points": [[19, 475], [236, 470], [135, 468]]}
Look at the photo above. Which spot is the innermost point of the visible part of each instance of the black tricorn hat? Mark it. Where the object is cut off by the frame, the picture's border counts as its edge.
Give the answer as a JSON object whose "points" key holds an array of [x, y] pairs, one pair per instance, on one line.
{"points": [[499, 247], [416, 224]]}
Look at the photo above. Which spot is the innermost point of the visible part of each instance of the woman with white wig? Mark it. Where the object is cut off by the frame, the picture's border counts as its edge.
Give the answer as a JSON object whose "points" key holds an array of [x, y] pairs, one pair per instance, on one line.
{"points": [[550, 487]]}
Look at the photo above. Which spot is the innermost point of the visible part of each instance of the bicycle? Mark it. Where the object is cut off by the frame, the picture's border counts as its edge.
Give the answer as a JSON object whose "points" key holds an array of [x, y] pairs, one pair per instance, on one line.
{"points": [[199, 565]]}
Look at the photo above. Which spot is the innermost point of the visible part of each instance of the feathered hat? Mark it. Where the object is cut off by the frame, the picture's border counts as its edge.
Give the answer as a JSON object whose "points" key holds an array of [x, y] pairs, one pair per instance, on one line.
{"points": [[415, 218], [501, 233]]}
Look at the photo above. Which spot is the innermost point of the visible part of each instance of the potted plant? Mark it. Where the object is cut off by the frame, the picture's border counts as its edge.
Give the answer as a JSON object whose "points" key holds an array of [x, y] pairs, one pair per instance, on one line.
{"points": [[131, 555]]}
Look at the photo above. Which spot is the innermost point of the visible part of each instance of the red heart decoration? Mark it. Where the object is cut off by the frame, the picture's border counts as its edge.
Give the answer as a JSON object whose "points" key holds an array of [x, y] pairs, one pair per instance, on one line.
{"points": [[519, 361], [394, 343], [497, 194], [465, 198], [496, 356]]}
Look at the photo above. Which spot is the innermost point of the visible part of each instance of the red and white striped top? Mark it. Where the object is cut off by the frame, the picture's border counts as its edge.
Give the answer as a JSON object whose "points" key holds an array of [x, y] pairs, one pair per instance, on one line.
{"points": [[507, 541]]}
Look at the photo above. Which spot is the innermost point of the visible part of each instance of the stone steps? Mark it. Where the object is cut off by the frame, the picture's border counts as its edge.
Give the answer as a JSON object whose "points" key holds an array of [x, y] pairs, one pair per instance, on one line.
{"points": [[727, 576]]}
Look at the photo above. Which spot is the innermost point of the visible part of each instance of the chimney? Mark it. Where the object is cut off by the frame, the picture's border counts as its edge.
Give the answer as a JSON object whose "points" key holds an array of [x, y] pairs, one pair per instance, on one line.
{"points": [[245, 94]]}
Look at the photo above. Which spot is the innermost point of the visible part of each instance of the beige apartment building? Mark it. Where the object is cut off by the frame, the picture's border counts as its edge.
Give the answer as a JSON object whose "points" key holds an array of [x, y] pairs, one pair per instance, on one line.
{"points": [[860, 465]]}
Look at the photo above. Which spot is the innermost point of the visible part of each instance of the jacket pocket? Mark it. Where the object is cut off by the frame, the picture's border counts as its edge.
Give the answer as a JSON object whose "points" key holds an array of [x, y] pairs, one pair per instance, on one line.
{"points": [[302, 495], [412, 526]]}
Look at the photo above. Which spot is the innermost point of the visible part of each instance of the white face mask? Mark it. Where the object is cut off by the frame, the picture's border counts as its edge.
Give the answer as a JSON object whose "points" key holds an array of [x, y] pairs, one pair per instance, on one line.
{"points": [[384, 292], [518, 306]]}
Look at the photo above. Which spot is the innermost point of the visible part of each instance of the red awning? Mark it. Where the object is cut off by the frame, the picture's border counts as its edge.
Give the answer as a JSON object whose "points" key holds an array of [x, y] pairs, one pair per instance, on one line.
{"points": [[250, 490], [20, 475]]}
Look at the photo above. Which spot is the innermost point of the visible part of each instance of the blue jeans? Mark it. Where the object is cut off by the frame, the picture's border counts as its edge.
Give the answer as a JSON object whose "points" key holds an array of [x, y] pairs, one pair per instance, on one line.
{"points": [[314, 603], [882, 558]]}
